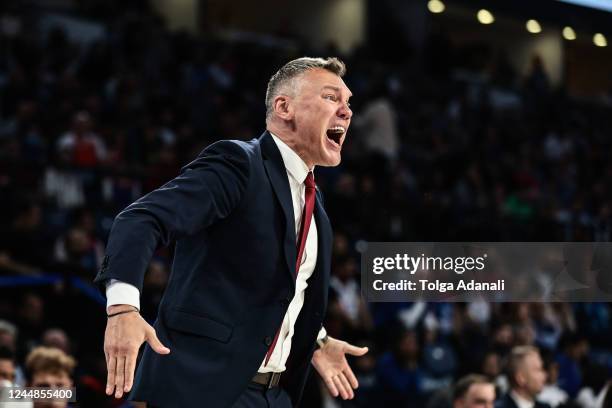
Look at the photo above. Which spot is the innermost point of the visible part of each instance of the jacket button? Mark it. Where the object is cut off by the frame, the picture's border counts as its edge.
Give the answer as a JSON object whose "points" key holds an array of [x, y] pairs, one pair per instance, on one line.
{"points": [[267, 340]]}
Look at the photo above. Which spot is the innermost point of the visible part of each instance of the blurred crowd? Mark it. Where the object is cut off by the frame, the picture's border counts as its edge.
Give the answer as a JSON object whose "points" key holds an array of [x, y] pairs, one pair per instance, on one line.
{"points": [[454, 145]]}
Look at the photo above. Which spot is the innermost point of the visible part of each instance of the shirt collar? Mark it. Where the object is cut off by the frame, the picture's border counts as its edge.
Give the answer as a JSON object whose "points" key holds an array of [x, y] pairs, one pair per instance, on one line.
{"points": [[293, 162], [520, 401]]}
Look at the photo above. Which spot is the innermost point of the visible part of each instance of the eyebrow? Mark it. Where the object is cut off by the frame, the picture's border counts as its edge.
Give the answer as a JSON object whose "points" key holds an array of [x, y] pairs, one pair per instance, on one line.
{"points": [[335, 88]]}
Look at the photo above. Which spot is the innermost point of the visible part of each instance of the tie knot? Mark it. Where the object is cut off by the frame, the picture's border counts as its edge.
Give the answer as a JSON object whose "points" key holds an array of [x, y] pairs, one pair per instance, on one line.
{"points": [[309, 180]]}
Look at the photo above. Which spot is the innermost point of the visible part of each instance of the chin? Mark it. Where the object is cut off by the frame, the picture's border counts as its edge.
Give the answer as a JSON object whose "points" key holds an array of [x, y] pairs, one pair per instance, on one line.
{"points": [[332, 162]]}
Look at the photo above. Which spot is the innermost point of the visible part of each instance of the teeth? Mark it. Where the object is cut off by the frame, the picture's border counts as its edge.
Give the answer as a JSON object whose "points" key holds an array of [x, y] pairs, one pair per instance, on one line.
{"points": [[338, 129]]}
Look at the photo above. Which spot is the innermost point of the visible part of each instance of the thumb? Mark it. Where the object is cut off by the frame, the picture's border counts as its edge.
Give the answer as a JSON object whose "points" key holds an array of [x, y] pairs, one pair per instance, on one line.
{"points": [[355, 351], [155, 344]]}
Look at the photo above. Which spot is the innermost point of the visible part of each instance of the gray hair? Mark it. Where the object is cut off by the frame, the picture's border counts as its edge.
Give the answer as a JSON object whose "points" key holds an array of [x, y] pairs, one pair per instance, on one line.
{"points": [[8, 327], [515, 360], [294, 69]]}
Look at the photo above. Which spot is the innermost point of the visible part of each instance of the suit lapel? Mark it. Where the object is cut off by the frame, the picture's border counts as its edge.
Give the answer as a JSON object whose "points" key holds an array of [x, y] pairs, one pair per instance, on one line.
{"points": [[324, 244], [510, 402], [275, 168]]}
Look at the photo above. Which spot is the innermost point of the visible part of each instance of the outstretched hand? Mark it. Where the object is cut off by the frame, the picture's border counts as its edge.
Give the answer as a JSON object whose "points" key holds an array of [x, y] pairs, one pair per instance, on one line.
{"points": [[330, 362], [124, 335]]}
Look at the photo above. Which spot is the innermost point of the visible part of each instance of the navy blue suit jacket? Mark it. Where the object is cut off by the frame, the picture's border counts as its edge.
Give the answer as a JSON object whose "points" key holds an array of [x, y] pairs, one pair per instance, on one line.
{"points": [[231, 214], [507, 402]]}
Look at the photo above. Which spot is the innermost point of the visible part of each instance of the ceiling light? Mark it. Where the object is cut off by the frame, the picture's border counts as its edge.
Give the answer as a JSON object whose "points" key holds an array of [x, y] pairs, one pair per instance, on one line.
{"points": [[569, 33], [600, 40], [436, 6], [533, 26], [485, 16]]}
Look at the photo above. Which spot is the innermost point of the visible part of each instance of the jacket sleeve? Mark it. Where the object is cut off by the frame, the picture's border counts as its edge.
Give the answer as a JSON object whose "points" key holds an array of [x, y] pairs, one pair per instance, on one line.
{"points": [[207, 190]]}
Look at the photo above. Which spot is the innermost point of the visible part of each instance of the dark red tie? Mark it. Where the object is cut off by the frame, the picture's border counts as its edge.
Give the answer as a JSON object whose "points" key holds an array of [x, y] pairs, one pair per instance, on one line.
{"points": [[301, 242]]}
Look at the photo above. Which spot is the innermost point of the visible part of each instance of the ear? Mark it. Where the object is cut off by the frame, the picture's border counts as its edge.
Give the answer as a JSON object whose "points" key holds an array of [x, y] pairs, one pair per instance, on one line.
{"points": [[283, 107], [520, 379]]}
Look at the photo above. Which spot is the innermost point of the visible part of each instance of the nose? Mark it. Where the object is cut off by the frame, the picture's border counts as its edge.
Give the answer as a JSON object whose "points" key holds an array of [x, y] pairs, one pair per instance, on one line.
{"points": [[345, 112]]}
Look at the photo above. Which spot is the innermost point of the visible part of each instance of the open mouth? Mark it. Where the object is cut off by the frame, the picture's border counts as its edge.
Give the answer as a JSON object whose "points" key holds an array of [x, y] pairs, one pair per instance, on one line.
{"points": [[335, 134]]}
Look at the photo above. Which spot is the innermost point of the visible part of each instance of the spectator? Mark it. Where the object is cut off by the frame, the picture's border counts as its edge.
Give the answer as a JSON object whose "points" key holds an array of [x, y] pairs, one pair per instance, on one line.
{"points": [[343, 281], [8, 335], [7, 365], [474, 391], [491, 368], [31, 319], [527, 379], [9, 369], [439, 357], [24, 247], [56, 338], [552, 394], [503, 338], [76, 250], [400, 374], [592, 393], [49, 368], [537, 80], [570, 359], [81, 146], [365, 372], [378, 125]]}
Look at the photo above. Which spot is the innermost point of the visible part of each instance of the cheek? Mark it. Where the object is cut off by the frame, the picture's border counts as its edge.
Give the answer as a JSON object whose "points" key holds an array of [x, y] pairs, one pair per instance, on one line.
{"points": [[316, 113], [307, 110]]}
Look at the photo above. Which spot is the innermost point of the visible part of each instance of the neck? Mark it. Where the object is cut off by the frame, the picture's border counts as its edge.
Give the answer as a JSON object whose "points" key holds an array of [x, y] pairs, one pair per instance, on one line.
{"points": [[290, 139], [523, 394]]}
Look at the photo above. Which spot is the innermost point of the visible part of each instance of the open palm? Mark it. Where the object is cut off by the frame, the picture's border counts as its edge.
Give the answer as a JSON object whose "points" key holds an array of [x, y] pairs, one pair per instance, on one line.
{"points": [[330, 362]]}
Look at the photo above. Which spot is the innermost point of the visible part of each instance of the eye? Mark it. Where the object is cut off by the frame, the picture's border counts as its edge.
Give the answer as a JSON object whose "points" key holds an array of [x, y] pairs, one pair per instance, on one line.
{"points": [[331, 97]]}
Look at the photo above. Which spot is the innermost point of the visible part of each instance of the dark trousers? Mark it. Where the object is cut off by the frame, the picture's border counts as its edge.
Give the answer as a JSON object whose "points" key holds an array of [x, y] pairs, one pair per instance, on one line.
{"points": [[257, 396]]}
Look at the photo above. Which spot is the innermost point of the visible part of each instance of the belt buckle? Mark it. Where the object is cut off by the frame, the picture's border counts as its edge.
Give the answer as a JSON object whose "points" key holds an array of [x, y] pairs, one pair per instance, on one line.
{"points": [[271, 380]]}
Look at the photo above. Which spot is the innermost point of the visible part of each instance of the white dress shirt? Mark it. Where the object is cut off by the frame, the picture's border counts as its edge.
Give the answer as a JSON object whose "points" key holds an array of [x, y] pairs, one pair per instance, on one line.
{"points": [[520, 401], [118, 292]]}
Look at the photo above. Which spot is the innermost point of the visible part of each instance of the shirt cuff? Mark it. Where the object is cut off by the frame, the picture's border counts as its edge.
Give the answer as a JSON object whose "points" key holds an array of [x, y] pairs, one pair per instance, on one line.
{"points": [[121, 293], [322, 334]]}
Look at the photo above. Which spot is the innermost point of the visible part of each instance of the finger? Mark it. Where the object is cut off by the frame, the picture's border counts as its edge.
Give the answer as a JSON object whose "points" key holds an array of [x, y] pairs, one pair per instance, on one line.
{"points": [[351, 377], [355, 351], [130, 364], [329, 382], [119, 379], [340, 386], [346, 385], [155, 344], [110, 378]]}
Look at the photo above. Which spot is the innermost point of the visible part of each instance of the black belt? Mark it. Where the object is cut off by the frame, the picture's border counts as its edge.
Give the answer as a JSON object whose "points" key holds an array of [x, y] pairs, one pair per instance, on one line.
{"points": [[269, 380]]}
